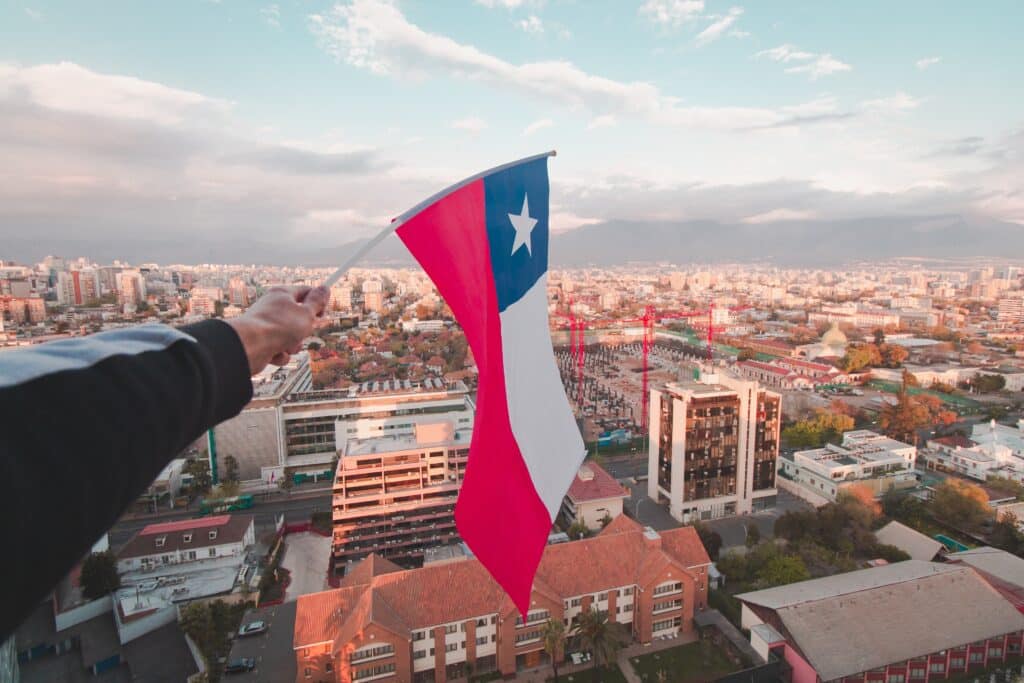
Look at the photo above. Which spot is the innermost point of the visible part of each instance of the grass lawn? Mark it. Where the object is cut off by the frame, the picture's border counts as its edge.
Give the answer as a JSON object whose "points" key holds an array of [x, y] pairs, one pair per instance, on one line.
{"points": [[607, 674], [684, 664], [961, 402]]}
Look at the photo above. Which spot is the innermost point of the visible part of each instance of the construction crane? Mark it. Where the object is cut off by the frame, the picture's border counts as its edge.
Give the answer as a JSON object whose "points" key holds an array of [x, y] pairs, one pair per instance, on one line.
{"points": [[577, 348]]}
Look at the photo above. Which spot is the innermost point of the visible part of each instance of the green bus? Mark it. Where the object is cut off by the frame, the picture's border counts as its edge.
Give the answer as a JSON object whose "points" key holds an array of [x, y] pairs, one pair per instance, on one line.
{"points": [[232, 504]]}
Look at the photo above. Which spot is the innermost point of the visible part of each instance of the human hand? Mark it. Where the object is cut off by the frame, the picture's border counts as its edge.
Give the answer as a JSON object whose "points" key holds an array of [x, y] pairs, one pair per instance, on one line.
{"points": [[273, 328]]}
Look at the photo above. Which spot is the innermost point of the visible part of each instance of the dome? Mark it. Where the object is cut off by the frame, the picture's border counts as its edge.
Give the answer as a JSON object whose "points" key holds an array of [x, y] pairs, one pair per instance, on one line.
{"points": [[834, 337]]}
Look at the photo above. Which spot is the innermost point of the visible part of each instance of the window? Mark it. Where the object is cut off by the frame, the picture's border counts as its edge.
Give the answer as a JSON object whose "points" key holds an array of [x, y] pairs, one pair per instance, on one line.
{"points": [[956, 662], [451, 628], [482, 640], [373, 671], [213, 535], [494, 638], [917, 672], [666, 605], [494, 620], [431, 652], [668, 588], [602, 596], [977, 657], [187, 538], [213, 552], [372, 653], [418, 635], [419, 654], [937, 667], [533, 617], [895, 678], [575, 602], [309, 673], [451, 647], [628, 590], [160, 541], [665, 624], [627, 607], [481, 622], [527, 637], [995, 652], [328, 667]]}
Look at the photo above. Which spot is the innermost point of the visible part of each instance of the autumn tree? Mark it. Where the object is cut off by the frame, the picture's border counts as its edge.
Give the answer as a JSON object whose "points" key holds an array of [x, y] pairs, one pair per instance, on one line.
{"points": [[903, 419], [960, 504]]}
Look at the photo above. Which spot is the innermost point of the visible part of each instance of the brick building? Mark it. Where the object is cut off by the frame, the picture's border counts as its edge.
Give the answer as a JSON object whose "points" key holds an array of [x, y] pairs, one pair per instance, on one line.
{"points": [[430, 624], [900, 623]]}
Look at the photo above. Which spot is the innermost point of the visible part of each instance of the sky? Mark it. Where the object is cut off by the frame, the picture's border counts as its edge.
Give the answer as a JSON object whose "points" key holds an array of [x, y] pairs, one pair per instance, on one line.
{"points": [[305, 122]]}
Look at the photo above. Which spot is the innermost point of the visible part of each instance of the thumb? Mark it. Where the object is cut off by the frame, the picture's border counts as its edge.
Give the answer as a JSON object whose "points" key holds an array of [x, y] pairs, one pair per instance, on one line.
{"points": [[317, 299]]}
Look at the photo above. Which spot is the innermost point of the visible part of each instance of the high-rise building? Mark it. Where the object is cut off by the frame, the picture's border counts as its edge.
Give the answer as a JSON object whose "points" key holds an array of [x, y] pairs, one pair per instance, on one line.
{"points": [[714, 442], [131, 287], [1011, 309], [238, 292], [78, 287], [373, 296], [341, 297], [203, 300]]}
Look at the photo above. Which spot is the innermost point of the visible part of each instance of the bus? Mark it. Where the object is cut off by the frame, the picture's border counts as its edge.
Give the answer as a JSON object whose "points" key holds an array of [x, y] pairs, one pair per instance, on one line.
{"points": [[232, 504]]}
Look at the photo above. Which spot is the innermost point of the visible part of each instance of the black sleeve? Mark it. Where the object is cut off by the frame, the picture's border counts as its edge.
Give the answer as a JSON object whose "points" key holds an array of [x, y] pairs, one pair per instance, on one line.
{"points": [[86, 424]]}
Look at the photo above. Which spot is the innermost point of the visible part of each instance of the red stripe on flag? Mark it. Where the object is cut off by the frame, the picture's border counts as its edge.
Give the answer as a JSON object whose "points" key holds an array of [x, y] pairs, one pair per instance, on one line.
{"points": [[499, 513]]}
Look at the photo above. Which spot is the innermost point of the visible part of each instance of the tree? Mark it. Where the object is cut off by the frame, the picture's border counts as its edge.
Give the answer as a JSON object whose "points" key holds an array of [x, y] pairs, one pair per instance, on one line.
{"points": [[1006, 536], [960, 504], [989, 383], [578, 530], [860, 357], [746, 354], [710, 539], [99, 575], [554, 643], [902, 420], [753, 535], [230, 468], [286, 484], [879, 335], [860, 496], [199, 470], [606, 520], [218, 309], [779, 571], [600, 636]]}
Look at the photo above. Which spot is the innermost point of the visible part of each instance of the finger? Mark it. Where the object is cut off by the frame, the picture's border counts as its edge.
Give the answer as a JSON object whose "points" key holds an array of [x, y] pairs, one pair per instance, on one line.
{"points": [[316, 299], [299, 292], [280, 358]]}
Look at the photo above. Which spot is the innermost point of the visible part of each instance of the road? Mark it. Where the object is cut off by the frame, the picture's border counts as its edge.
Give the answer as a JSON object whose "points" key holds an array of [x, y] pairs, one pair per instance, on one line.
{"points": [[295, 509]]}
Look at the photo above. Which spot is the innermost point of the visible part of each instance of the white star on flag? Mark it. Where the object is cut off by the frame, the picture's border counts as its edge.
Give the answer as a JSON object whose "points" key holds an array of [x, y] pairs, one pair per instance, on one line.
{"points": [[524, 225]]}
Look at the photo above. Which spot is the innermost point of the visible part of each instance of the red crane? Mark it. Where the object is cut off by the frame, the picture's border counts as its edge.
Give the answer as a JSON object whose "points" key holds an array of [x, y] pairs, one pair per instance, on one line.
{"points": [[577, 348]]}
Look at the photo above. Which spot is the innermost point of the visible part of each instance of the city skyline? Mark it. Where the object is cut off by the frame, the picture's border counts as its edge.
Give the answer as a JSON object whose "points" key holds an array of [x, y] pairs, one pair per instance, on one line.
{"points": [[309, 126]]}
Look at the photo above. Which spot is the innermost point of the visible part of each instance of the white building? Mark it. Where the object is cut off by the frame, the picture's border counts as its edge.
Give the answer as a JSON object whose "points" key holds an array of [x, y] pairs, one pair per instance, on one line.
{"points": [[593, 496], [818, 475], [993, 450], [187, 544]]}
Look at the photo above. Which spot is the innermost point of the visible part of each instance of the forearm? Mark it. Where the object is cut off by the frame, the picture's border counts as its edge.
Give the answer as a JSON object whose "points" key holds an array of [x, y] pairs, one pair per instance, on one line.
{"points": [[89, 423]]}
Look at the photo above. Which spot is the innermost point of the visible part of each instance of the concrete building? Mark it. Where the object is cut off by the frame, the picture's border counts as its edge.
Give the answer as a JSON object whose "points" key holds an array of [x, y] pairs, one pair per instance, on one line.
{"points": [[1002, 570], [993, 450], [865, 458], [433, 623], [910, 541], [21, 310], [186, 542], [713, 447], [131, 287], [593, 496], [203, 300], [395, 493], [902, 622], [78, 287], [1011, 310], [373, 296], [238, 292]]}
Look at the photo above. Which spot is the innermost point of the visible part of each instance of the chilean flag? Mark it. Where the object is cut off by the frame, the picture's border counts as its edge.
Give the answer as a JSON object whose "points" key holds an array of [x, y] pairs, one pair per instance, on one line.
{"points": [[484, 242]]}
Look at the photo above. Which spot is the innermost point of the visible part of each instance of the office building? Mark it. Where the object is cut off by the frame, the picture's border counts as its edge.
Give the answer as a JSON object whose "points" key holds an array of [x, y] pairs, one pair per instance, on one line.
{"points": [[438, 622], [714, 442], [78, 287], [131, 287]]}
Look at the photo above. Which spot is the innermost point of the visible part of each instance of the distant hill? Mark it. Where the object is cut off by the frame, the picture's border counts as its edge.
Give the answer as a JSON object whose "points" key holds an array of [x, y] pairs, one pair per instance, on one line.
{"points": [[808, 243]]}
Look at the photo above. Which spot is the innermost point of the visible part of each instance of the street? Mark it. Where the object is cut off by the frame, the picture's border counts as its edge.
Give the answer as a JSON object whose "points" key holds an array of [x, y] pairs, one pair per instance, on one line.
{"points": [[295, 509]]}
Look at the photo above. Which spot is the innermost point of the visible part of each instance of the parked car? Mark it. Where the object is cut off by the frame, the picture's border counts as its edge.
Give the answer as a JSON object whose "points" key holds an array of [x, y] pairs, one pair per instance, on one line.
{"points": [[239, 666], [252, 628]]}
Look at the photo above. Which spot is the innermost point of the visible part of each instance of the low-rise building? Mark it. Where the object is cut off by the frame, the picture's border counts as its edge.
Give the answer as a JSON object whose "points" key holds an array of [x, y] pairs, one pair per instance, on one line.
{"points": [[910, 541], [1002, 570], [993, 450], [189, 541], [593, 496], [865, 458], [433, 623], [907, 621]]}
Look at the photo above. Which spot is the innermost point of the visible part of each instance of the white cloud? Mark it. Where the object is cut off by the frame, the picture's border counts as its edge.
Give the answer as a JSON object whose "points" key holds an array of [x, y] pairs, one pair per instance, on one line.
{"points": [[471, 124], [672, 12], [271, 15], [736, 33], [715, 30], [507, 4], [72, 88], [926, 62], [564, 221], [33, 13], [537, 125], [603, 121], [812, 64], [785, 54], [375, 35], [780, 215], [899, 102], [531, 24]]}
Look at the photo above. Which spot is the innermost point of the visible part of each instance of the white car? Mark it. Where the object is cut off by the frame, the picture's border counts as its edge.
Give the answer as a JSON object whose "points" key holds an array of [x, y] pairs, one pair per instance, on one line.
{"points": [[252, 628]]}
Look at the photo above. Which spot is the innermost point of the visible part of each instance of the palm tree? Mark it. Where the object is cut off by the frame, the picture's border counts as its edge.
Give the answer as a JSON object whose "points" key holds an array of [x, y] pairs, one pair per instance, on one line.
{"points": [[602, 637], [554, 642]]}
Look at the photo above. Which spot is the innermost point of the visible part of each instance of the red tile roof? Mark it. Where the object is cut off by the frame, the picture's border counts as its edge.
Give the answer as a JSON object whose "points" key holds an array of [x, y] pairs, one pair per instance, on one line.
{"points": [[229, 528], [185, 525], [622, 554], [592, 482]]}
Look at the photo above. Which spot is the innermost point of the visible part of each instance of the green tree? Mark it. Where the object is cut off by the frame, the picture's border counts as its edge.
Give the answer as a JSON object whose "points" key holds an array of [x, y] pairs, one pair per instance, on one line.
{"points": [[710, 539], [99, 575], [286, 484], [753, 535], [230, 468], [606, 520], [781, 570], [554, 643], [960, 504], [989, 383], [199, 469], [746, 354], [1006, 536], [600, 636], [577, 530], [879, 335]]}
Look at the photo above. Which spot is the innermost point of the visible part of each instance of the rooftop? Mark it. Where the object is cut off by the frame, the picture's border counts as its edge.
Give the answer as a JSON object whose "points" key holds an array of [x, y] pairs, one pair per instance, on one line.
{"points": [[910, 541], [394, 387], [993, 561], [187, 534], [592, 482]]}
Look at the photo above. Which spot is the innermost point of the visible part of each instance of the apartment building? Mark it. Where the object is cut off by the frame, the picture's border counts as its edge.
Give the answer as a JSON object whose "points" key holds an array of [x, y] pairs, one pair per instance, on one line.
{"points": [[187, 541], [395, 493], [714, 442], [438, 622]]}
